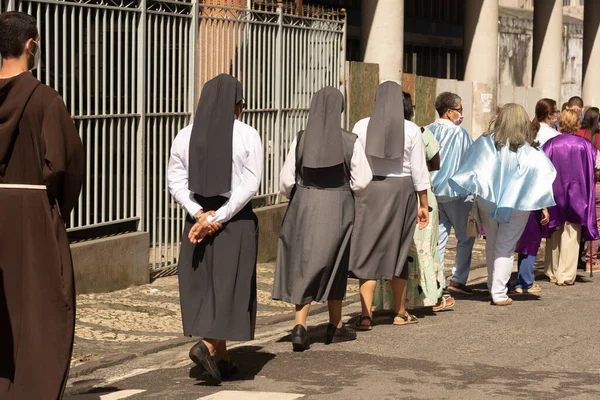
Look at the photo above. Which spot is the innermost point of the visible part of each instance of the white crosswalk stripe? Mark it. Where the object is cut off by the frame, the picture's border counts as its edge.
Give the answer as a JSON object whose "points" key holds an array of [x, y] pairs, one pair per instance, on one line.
{"points": [[236, 395], [119, 395], [122, 394]]}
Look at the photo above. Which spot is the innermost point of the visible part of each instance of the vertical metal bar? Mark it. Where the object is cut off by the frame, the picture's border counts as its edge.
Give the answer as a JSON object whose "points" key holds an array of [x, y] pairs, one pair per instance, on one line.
{"points": [[128, 198], [136, 125], [224, 54], [64, 90], [48, 47], [80, 109], [342, 67], [239, 56], [103, 170], [229, 60], [169, 210], [191, 67], [97, 108], [152, 102], [112, 135], [159, 150], [141, 106], [180, 96], [119, 132], [278, 79], [211, 53], [88, 87]]}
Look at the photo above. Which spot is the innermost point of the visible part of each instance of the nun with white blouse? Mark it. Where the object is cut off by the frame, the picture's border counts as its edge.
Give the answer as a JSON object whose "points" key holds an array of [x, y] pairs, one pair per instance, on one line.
{"points": [[214, 171], [324, 167], [388, 209]]}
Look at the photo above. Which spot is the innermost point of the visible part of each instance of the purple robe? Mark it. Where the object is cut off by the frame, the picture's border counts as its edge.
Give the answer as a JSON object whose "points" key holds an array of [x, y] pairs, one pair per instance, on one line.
{"points": [[574, 188], [531, 239]]}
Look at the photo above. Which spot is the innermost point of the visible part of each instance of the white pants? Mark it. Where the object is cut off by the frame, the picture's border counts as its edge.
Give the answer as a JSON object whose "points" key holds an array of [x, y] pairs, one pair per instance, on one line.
{"points": [[501, 240]]}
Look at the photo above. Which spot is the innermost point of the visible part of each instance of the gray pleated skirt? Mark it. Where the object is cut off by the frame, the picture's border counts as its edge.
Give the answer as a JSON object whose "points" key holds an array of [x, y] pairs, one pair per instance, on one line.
{"points": [[217, 279], [312, 257], [385, 221]]}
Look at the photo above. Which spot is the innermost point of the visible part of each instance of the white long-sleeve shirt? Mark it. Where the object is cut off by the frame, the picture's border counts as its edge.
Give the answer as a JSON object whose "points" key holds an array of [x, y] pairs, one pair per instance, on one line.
{"points": [[360, 172], [546, 133], [413, 163], [247, 168]]}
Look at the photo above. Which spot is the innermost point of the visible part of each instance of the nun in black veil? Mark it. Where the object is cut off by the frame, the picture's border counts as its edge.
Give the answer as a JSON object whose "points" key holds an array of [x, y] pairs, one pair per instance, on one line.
{"points": [[214, 171], [325, 165]]}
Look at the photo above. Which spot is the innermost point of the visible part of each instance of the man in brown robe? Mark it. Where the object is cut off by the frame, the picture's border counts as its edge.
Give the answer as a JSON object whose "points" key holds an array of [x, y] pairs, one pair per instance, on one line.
{"points": [[41, 172]]}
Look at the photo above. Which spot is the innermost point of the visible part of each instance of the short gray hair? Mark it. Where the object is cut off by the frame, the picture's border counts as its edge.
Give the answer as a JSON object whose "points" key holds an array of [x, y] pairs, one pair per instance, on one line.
{"points": [[446, 101]]}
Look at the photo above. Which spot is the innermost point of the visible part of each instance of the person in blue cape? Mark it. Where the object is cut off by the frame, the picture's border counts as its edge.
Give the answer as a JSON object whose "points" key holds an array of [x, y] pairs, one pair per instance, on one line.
{"points": [[454, 208], [510, 178]]}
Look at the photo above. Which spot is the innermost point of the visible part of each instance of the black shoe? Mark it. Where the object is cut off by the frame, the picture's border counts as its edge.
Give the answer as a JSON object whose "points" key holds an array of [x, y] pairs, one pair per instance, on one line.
{"points": [[459, 288], [300, 340], [338, 335], [201, 356], [227, 369]]}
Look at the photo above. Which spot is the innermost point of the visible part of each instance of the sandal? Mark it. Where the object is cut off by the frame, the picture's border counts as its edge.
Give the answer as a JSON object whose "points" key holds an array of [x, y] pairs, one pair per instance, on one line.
{"points": [[564, 284], [359, 324], [406, 318], [501, 303], [446, 303]]}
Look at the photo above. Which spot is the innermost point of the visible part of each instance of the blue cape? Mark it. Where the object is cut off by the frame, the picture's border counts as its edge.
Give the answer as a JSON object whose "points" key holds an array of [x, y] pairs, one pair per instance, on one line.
{"points": [[454, 142], [520, 180]]}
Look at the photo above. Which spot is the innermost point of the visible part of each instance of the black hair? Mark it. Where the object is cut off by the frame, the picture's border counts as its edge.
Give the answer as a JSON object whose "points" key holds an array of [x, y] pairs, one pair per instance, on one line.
{"points": [[575, 101], [590, 121], [408, 106], [16, 28]]}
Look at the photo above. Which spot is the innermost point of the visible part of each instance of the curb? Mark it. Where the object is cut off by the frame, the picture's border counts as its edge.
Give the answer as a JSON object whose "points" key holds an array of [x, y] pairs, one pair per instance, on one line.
{"points": [[115, 359], [112, 360]]}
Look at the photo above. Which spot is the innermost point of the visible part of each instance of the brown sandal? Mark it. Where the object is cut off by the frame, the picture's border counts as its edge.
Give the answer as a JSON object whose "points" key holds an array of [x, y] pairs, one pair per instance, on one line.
{"points": [[406, 318], [447, 302]]}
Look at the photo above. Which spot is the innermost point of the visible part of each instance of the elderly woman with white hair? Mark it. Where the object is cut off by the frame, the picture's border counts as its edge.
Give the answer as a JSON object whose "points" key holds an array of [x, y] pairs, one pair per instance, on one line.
{"points": [[510, 177]]}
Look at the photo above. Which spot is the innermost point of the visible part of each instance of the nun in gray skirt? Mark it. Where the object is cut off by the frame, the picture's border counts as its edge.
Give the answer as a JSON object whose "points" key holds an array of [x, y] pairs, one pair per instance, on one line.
{"points": [[214, 170], [325, 165], [388, 209]]}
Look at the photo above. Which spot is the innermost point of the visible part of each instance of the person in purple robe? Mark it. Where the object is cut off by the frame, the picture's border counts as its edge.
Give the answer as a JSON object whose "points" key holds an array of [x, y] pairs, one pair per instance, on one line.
{"points": [[574, 216]]}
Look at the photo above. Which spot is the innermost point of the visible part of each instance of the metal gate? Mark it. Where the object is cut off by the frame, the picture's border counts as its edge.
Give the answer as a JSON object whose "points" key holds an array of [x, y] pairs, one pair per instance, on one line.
{"points": [[130, 73], [281, 60]]}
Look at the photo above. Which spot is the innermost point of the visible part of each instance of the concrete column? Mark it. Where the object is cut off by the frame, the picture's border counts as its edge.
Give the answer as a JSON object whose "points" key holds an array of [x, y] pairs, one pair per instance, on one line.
{"points": [[547, 47], [481, 62], [591, 54], [382, 36], [481, 42]]}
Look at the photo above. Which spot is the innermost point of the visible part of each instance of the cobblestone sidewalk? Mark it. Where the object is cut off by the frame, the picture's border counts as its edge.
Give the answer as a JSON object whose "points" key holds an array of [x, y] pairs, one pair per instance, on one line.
{"points": [[125, 321]]}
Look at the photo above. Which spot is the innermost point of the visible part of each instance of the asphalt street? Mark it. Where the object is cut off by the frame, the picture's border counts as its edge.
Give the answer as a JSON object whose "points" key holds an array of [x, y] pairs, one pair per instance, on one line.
{"points": [[538, 348]]}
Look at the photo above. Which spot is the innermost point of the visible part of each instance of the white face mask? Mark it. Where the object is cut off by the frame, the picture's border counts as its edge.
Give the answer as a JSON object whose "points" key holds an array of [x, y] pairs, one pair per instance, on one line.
{"points": [[37, 57]]}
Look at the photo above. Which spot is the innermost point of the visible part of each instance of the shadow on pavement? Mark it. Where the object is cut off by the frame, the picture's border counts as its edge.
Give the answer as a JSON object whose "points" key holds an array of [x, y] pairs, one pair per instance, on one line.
{"points": [[250, 360], [93, 394]]}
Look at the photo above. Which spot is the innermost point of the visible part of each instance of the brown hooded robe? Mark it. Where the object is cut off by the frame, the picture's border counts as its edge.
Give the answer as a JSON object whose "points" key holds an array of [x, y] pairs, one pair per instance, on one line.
{"points": [[39, 145]]}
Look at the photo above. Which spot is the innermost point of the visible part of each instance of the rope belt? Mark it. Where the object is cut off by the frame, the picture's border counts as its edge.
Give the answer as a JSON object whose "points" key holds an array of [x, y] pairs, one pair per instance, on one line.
{"points": [[17, 186]]}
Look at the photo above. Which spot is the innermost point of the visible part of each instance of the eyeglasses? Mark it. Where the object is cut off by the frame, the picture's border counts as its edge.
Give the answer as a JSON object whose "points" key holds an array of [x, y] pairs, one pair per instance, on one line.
{"points": [[460, 110]]}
